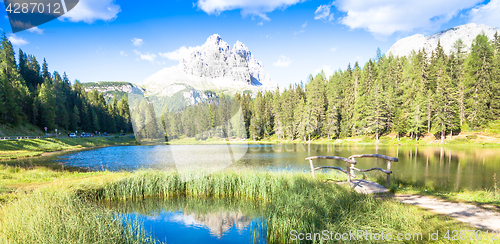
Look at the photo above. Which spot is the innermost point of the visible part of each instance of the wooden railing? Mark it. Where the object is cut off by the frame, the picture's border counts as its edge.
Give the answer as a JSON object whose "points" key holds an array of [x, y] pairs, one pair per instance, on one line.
{"points": [[350, 162]]}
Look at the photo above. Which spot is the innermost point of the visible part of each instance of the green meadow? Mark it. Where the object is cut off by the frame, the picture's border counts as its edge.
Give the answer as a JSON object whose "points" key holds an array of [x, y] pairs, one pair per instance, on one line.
{"points": [[14, 149]]}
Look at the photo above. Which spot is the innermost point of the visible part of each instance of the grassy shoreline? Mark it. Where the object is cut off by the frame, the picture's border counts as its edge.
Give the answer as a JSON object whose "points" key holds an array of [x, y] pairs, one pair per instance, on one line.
{"points": [[40, 198], [15, 149], [469, 139]]}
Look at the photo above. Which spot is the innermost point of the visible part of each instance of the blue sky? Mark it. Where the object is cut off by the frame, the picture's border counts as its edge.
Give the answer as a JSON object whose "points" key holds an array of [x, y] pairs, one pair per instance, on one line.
{"points": [[106, 40]]}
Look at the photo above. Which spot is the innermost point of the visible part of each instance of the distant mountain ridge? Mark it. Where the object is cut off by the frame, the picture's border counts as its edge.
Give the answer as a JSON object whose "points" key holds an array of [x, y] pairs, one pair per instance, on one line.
{"points": [[467, 33], [112, 88], [211, 69]]}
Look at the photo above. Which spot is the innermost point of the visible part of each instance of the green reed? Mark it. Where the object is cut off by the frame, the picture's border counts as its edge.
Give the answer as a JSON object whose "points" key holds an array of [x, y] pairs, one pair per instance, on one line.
{"points": [[49, 216], [285, 201]]}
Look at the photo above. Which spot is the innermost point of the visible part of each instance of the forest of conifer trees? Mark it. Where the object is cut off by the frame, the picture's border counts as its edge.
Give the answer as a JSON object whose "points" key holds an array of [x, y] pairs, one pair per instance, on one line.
{"points": [[30, 94], [440, 93]]}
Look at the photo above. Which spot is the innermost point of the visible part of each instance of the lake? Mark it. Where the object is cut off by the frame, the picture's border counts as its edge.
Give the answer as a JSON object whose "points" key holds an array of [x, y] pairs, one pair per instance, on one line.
{"points": [[211, 221], [237, 221], [451, 168]]}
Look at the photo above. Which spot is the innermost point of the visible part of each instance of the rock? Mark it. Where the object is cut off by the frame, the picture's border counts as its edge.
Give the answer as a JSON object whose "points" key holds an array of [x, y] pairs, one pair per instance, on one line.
{"points": [[448, 37], [213, 66]]}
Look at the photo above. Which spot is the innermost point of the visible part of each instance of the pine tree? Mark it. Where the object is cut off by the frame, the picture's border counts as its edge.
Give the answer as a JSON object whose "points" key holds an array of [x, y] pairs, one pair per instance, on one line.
{"points": [[16, 93], [47, 102], [479, 71], [457, 58], [75, 119], [377, 113], [316, 103], [3, 106], [45, 71], [495, 80], [444, 102]]}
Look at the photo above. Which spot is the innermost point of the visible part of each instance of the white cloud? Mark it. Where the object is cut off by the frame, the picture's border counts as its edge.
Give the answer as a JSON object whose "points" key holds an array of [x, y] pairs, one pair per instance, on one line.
{"points": [[333, 49], [123, 54], [137, 42], [17, 41], [488, 14], [89, 11], [301, 31], [327, 69], [179, 54], [149, 57], [283, 62], [260, 23], [247, 7], [298, 32], [35, 30], [383, 18], [323, 12]]}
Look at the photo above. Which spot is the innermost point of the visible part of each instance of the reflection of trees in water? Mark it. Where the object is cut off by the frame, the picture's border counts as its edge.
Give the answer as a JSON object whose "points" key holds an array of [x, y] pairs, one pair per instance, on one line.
{"points": [[452, 168]]}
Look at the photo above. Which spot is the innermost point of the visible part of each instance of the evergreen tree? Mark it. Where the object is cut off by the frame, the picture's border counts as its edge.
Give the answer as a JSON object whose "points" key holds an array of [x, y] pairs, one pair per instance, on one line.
{"points": [[457, 59], [479, 71], [316, 104], [75, 120], [47, 102], [444, 102], [495, 80]]}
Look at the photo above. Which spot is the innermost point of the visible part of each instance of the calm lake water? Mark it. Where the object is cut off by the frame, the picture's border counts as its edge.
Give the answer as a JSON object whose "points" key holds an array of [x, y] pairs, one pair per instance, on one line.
{"points": [[220, 221], [447, 168], [211, 221]]}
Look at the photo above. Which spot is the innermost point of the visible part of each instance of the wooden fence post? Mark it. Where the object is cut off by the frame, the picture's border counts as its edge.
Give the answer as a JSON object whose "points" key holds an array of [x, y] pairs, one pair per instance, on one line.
{"points": [[387, 183], [312, 168], [348, 171]]}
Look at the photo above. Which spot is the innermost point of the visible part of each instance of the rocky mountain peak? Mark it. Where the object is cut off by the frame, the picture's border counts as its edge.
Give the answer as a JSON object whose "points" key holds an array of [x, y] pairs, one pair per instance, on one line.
{"points": [[467, 33], [213, 66], [213, 39], [242, 50]]}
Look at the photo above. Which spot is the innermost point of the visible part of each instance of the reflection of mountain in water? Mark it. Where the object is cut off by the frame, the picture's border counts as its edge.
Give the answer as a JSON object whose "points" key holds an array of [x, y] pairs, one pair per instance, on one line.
{"points": [[218, 223]]}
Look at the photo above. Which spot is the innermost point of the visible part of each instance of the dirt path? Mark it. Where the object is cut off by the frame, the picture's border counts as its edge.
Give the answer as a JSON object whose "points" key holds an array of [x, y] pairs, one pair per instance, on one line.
{"points": [[473, 215], [468, 213]]}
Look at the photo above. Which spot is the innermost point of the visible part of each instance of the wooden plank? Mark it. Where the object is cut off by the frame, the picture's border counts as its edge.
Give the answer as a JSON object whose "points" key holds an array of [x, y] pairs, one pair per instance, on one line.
{"points": [[368, 187], [367, 170], [375, 156], [312, 168], [331, 167], [333, 157], [387, 182], [348, 170]]}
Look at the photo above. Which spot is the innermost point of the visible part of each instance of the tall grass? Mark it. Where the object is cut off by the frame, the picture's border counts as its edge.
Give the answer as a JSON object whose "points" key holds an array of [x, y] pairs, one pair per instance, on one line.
{"points": [[292, 201], [58, 217], [285, 201]]}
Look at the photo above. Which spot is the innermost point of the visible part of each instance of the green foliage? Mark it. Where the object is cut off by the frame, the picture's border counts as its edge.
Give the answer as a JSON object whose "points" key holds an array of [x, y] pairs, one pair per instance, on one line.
{"points": [[58, 217], [408, 96], [30, 94]]}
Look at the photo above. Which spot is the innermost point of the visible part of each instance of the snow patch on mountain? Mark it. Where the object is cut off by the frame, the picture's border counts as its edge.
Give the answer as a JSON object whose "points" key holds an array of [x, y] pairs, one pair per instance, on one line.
{"points": [[467, 33]]}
